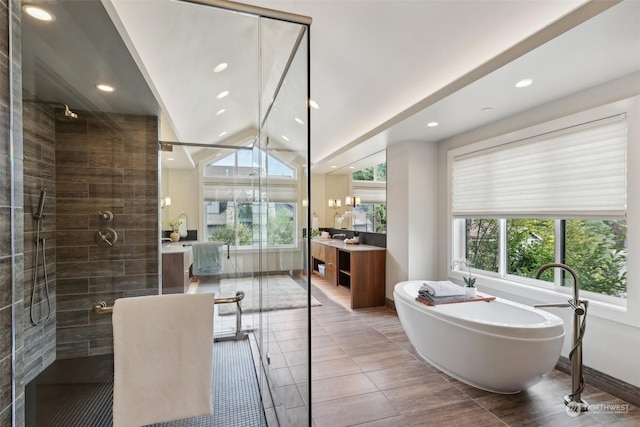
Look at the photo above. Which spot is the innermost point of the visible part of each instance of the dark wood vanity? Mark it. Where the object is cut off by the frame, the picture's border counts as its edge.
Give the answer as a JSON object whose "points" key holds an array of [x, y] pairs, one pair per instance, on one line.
{"points": [[176, 263], [360, 268]]}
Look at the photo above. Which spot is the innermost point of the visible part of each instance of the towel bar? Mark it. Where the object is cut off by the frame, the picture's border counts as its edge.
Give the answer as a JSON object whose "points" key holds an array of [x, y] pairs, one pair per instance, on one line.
{"points": [[101, 308]]}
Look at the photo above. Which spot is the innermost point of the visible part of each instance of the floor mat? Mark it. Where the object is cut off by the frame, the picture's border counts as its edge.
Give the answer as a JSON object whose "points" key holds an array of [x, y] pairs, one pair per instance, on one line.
{"points": [[62, 398]]}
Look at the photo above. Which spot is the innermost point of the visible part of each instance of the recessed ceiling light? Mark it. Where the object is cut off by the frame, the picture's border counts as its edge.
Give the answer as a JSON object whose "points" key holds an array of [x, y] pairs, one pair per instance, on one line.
{"points": [[333, 166], [219, 154], [220, 67], [432, 124], [524, 83], [299, 121], [223, 133], [220, 112], [485, 109], [352, 167], [285, 138], [170, 158], [222, 94], [105, 88], [313, 104], [38, 13]]}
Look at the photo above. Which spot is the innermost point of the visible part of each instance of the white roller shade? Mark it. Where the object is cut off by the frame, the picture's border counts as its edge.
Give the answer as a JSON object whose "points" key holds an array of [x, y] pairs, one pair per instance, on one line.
{"points": [[225, 192], [575, 172], [370, 192]]}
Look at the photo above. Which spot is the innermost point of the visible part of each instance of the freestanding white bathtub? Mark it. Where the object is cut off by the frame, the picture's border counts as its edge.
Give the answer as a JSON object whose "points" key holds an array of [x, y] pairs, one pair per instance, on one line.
{"points": [[499, 346]]}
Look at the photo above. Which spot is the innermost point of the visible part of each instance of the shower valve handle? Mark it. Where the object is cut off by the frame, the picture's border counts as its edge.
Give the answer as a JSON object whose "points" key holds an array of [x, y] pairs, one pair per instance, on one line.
{"points": [[106, 237], [106, 215]]}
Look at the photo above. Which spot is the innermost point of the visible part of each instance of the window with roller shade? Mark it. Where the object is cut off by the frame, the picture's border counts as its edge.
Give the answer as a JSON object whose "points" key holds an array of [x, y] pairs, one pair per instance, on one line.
{"points": [[232, 202], [556, 197]]}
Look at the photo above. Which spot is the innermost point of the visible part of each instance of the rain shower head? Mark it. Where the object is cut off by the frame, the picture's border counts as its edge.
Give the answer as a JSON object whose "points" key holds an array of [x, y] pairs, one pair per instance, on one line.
{"points": [[65, 114]]}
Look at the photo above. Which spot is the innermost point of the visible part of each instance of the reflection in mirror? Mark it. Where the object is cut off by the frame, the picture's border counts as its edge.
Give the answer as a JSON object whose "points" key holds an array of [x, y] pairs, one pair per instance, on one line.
{"points": [[361, 189]]}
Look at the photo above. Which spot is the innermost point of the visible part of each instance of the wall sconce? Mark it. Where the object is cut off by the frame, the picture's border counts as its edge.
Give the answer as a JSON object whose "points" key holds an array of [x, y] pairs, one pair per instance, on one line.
{"points": [[165, 201], [352, 201], [335, 203]]}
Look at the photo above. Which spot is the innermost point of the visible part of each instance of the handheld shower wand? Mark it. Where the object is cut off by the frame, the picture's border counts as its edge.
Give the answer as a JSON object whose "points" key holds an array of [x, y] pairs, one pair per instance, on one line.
{"points": [[38, 215]]}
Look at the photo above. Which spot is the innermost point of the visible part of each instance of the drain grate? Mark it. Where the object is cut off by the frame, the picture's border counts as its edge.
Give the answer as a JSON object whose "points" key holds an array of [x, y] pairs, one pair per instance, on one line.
{"points": [[236, 397]]}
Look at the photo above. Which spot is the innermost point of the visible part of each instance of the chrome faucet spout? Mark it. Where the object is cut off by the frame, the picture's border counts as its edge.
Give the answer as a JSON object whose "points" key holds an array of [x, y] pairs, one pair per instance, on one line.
{"points": [[565, 267]]}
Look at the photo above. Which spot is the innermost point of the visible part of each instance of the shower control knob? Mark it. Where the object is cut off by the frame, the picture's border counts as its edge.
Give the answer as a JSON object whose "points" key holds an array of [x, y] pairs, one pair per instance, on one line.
{"points": [[106, 237], [106, 215]]}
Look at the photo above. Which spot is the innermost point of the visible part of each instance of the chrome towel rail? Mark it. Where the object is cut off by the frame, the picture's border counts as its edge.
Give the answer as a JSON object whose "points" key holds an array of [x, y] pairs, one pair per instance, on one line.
{"points": [[101, 308]]}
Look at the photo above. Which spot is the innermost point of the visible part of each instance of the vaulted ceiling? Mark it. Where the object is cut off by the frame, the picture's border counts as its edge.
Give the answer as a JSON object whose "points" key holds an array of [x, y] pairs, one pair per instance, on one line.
{"points": [[380, 69]]}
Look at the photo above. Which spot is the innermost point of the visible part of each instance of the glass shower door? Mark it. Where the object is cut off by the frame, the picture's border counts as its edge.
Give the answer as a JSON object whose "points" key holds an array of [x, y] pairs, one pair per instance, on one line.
{"points": [[283, 335]]}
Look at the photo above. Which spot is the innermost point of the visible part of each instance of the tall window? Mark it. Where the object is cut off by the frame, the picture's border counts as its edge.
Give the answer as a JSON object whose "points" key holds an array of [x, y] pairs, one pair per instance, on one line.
{"points": [[235, 212], [557, 197], [595, 249]]}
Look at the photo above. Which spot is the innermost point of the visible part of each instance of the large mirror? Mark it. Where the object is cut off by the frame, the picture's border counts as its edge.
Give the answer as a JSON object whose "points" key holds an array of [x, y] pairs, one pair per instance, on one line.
{"points": [[356, 195]]}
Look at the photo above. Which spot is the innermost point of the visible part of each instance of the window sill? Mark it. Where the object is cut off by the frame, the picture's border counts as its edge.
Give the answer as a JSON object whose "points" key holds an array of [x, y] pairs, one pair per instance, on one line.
{"points": [[530, 295]]}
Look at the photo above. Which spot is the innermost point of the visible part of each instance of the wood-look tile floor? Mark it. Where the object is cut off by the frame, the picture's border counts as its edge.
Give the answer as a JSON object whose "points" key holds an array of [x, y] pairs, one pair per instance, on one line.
{"points": [[365, 372]]}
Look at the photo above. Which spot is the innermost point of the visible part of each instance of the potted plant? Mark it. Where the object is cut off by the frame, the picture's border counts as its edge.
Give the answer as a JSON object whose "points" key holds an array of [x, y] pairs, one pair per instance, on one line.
{"points": [[175, 236], [469, 281]]}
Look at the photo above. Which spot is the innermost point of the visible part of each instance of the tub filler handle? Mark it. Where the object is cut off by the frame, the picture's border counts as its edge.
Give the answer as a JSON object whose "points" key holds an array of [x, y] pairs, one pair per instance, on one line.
{"points": [[102, 308]]}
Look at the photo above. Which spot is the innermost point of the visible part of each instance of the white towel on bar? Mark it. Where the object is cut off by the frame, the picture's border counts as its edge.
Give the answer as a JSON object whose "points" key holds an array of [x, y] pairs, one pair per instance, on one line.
{"points": [[443, 288], [163, 354]]}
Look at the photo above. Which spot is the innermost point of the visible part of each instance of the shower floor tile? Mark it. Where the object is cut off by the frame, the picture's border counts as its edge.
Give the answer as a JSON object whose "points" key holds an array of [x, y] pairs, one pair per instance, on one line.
{"points": [[79, 392]]}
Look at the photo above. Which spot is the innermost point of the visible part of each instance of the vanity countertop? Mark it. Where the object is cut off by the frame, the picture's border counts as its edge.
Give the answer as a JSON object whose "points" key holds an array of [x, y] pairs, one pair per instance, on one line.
{"points": [[177, 247], [340, 244]]}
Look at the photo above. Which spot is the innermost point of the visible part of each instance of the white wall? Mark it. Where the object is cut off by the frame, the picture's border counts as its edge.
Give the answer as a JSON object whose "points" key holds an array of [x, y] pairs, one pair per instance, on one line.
{"points": [[612, 339], [318, 198], [412, 212]]}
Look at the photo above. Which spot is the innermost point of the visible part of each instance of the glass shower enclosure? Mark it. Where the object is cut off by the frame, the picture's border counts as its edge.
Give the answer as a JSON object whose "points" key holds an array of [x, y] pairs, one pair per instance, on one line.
{"points": [[207, 122]]}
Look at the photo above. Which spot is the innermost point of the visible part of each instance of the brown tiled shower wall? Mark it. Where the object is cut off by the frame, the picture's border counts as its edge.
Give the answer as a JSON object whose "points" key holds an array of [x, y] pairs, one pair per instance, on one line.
{"points": [[39, 174], [97, 163], [104, 162]]}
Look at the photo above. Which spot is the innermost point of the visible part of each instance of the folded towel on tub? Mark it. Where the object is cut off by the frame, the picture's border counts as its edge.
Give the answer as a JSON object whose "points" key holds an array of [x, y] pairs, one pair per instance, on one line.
{"points": [[443, 300], [163, 354], [442, 288], [207, 258]]}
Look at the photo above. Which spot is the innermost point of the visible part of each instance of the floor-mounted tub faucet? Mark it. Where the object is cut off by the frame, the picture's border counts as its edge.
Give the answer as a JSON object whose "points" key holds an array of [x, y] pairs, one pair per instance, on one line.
{"points": [[579, 307]]}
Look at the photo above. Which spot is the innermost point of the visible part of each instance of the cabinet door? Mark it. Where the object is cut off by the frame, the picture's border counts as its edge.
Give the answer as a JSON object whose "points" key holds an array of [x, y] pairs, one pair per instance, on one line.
{"points": [[318, 250], [368, 278], [331, 269], [172, 273]]}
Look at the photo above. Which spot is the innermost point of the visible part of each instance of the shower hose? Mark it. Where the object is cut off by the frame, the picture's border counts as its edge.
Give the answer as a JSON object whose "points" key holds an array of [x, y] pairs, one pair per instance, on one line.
{"points": [[41, 320]]}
